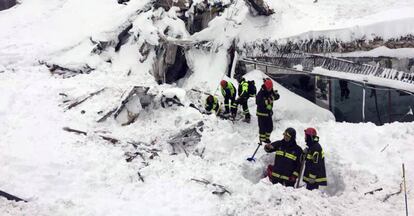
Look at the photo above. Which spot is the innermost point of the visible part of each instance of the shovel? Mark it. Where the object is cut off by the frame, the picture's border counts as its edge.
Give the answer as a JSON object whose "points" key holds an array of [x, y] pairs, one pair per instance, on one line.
{"points": [[252, 157]]}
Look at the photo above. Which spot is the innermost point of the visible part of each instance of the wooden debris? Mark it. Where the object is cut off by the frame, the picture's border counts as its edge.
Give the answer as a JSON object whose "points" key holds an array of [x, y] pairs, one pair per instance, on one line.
{"points": [[373, 191], [126, 116], [260, 7], [393, 194], [67, 72], [103, 118], [219, 189], [167, 4], [385, 147], [81, 100], [187, 137], [123, 1], [145, 50], [140, 176], [75, 131], [123, 37], [11, 197], [201, 154], [132, 155], [110, 139], [142, 146]]}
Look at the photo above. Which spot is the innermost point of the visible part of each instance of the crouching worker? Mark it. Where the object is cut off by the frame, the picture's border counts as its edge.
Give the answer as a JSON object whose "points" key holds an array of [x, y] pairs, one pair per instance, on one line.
{"points": [[212, 105], [315, 174], [286, 167]]}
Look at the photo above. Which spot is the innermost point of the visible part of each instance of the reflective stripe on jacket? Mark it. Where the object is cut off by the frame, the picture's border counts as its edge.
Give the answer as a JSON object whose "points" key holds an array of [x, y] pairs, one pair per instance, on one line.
{"points": [[229, 91], [315, 172], [287, 159]]}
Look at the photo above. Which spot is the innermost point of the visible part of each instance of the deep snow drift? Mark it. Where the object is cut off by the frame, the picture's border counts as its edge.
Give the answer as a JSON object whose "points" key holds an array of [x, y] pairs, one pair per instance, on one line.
{"points": [[63, 173]]}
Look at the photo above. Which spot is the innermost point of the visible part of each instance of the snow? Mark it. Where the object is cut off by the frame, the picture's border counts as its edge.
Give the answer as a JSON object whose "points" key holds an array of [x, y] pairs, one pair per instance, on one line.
{"points": [[63, 173], [385, 29], [303, 19], [369, 79], [380, 51]]}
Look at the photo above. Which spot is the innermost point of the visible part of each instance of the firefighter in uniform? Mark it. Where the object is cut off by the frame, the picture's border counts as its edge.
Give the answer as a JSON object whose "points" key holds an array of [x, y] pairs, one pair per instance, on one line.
{"points": [[314, 174], [264, 102], [212, 105], [287, 163], [229, 93], [245, 91]]}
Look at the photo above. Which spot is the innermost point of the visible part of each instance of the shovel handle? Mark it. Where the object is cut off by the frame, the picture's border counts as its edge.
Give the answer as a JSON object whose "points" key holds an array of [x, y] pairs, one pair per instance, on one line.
{"points": [[252, 157]]}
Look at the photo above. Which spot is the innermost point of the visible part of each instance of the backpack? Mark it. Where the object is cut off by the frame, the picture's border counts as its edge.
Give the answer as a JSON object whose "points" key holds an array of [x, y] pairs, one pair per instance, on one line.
{"points": [[252, 88]]}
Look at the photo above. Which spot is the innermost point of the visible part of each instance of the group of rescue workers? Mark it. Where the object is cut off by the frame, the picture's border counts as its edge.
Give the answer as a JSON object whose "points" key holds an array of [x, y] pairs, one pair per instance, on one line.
{"points": [[289, 156]]}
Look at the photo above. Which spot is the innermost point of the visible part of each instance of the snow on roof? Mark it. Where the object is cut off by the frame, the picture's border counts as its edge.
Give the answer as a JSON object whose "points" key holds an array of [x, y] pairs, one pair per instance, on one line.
{"points": [[368, 79], [380, 51]]}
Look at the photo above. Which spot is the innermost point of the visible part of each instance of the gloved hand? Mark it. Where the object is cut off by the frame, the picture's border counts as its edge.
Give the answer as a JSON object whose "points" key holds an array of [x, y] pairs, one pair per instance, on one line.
{"points": [[268, 147], [292, 178], [276, 95]]}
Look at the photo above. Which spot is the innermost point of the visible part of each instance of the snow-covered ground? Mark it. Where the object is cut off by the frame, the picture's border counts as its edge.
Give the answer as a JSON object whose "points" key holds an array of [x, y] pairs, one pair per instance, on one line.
{"points": [[63, 173]]}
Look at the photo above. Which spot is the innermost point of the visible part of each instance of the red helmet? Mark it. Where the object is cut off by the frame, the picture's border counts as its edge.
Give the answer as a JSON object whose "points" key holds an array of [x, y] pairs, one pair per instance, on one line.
{"points": [[268, 84], [223, 83], [310, 131]]}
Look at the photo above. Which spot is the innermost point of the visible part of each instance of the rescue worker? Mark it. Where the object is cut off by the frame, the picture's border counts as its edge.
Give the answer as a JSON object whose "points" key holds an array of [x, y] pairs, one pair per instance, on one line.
{"points": [[229, 93], [264, 102], [212, 105], [287, 163], [314, 174], [246, 90]]}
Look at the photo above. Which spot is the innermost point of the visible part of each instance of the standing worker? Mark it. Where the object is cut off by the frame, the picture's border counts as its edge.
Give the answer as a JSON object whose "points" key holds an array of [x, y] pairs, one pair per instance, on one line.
{"points": [[264, 102], [246, 89], [229, 93], [287, 163], [314, 174]]}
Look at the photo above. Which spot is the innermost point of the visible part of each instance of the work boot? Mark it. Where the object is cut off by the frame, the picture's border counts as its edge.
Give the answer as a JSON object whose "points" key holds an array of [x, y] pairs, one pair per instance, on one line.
{"points": [[232, 116], [247, 118]]}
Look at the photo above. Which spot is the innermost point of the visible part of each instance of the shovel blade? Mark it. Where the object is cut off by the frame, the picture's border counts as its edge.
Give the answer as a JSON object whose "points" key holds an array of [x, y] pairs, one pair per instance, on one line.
{"points": [[251, 159]]}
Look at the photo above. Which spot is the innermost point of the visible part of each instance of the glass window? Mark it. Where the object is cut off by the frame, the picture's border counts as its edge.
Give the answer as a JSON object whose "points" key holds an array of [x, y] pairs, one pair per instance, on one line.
{"points": [[346, 100]]}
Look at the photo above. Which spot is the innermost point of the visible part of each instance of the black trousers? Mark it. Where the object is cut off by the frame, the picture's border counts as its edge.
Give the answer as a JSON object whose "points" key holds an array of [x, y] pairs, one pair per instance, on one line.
{"points": [[265, 128], [243, 102], [282, 182], [312, 186], [230, 106]]}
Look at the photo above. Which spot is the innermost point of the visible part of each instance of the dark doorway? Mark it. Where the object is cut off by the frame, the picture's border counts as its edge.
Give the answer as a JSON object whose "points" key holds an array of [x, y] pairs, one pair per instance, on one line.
{"points": [[179, 69]]}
